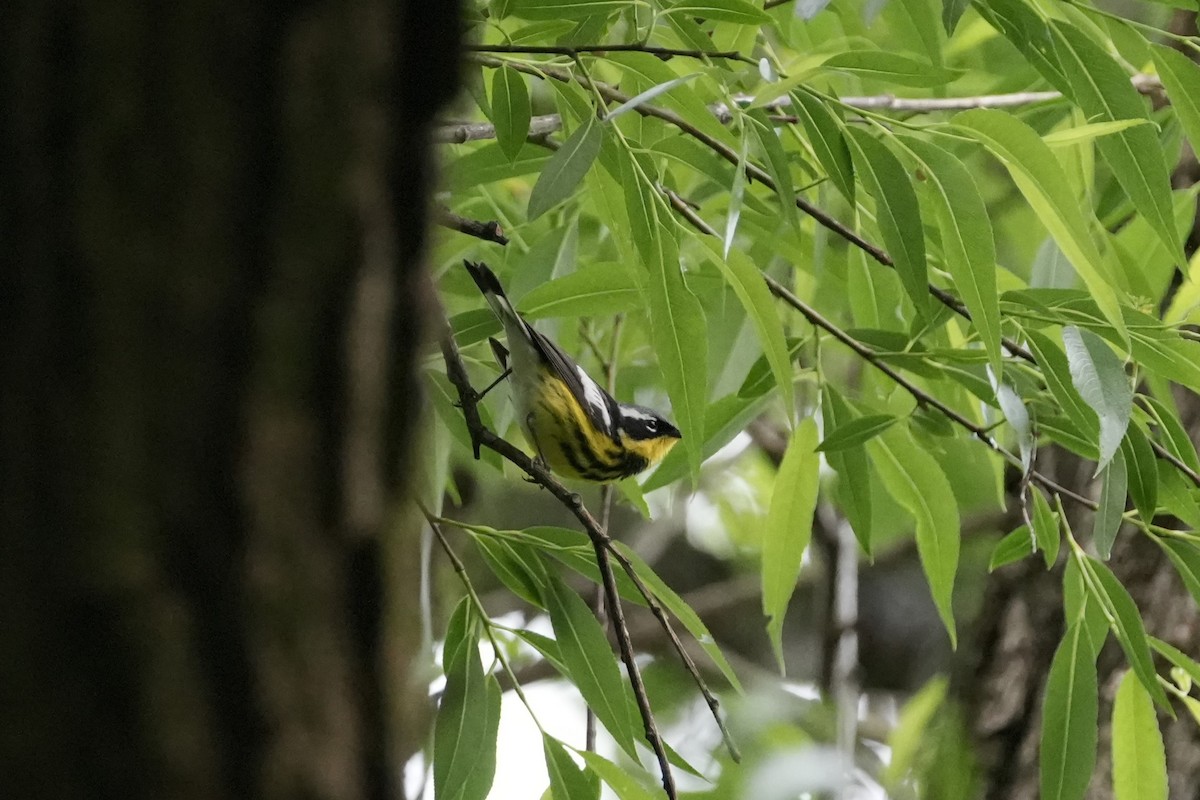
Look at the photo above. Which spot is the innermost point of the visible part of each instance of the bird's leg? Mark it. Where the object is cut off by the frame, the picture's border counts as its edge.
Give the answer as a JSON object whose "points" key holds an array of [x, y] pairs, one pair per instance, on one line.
{"points": [[538, 459], [493, 384]]}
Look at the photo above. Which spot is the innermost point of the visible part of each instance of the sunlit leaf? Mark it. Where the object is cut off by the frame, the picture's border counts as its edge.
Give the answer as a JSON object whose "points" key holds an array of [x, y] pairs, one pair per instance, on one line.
{"points": [[738, 11], [565, 9], [1139, 759], [915, 479], [1069, 714], [789, 528]]}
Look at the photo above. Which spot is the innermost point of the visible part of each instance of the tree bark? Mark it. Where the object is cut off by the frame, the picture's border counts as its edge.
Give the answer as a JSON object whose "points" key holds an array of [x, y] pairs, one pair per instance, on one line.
{"points": [[211, 303]]}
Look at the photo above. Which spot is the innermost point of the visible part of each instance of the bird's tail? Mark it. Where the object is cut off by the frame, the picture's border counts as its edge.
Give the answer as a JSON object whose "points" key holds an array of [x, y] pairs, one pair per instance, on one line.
{"points": [[493, 292]]}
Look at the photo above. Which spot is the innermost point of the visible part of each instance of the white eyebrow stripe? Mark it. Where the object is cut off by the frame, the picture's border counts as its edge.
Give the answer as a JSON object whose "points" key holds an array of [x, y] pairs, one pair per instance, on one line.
{"points": [[636, 413], [594, 396]]}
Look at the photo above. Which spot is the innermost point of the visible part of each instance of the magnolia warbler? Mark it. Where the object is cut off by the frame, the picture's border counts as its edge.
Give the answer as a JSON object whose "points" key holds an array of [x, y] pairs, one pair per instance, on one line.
{"points": [[578, 429]]}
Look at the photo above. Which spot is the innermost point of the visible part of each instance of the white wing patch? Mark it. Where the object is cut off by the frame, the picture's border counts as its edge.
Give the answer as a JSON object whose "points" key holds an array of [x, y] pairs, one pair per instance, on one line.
{"points": [[594, 396]]}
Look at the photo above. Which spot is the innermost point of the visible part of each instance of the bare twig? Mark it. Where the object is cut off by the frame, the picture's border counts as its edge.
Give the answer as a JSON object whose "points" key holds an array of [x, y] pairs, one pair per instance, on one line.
{"points": [[575, 50], [922, 397], [488, 231]]}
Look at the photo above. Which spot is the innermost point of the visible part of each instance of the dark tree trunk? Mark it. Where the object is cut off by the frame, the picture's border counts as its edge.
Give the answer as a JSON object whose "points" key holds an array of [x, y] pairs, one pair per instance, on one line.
{"points": [[212, 219]]}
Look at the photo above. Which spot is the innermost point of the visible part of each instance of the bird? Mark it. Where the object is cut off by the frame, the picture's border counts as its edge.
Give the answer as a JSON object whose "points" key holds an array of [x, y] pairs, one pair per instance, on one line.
{"points": [[578, 429]]}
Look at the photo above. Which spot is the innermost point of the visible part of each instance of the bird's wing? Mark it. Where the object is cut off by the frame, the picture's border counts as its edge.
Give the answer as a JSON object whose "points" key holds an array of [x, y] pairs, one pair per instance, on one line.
{"points": [[598, 404]]}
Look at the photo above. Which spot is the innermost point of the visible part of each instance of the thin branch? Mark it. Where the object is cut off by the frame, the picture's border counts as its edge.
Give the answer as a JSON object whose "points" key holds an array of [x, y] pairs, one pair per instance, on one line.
{"points": [[489, 231], [575, 50], [481, 435], [474, 131], [922, 397]]}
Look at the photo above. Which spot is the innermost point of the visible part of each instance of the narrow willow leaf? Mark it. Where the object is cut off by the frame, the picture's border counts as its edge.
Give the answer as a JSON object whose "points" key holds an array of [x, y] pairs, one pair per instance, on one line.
{"points": [[738, 11], [566, 168], [1185, 557], [565, 9], [853, 491], [724, 419], [892, 68], [825, 133], [1079, 605], [648, 95], [952, 11], [646, 71], [598, 288], [747, 283], [1077, 134], [789, 528], [1100, 87], [586, 653], [510, 110], [1041, 180], [1139, 759], [915, 479], [1069, 714], [1112, 505], [777, 162], [1017, 417], [1128, 627], [521, 572], [489, 164], [468, 716], [1178, 658], [1181, 77], [736, 193], [1013, 547], [1045, 527], [1056, 371], [855, 432], [1099, 377], [897, 213], [967, 244], [567, 780], [1175, 493], [1142, 469], [619, 779], [921, 13], [909, 736]]}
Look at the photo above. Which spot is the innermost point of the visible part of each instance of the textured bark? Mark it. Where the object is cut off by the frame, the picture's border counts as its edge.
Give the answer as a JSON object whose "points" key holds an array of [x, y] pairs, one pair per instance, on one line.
{"points": [[213, 216]]}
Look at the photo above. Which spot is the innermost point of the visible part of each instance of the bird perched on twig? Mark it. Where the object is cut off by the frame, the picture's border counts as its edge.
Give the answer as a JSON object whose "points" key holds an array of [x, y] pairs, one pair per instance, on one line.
{"points": [[577, 428]]}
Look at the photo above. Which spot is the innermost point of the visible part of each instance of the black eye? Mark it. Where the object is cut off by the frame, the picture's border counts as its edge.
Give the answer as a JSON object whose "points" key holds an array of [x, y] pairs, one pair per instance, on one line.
{"points": [[651, 425]]}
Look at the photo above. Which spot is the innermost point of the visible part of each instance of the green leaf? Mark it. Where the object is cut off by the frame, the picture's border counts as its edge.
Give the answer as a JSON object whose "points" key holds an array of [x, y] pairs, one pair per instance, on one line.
{"points": [[489, 164], [648, 95], [1100, 87], [1077, 134], [738, 11], [924, 20], [510, 110], [1015, 546], [1181, 78], [952, 11], [593, 666], [1056, 371], [565, 9], [748, 284], [620, 779], [856, 432], [1112, 505], [891, 68], [599, 288], [853, 490], [1142, 470], [567, 780], [967, 245], [518, 567], [789, 528], [566, 168], [1045, 527], [915, 479], [1139, 760], [776, 161], [1185, 557], [468, 716], [1177, 658], [825, 134], [1069, 715], [1099, 377], [678, 331], [909, 736], [1040, 178], [897, 213], [1080, 606], [1127, 625], [736, 192], [723, 420]]}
